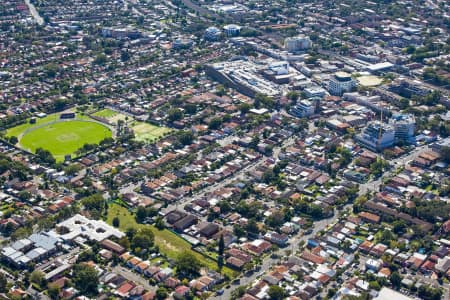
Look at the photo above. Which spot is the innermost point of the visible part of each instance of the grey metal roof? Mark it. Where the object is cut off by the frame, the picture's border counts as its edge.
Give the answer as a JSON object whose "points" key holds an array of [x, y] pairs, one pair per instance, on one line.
{"points": [[43, 241], [35, 253], [20, 244]]}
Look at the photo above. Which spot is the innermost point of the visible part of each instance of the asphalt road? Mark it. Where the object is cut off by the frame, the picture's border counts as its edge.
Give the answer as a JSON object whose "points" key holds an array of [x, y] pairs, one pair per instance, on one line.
{"points": [[34, 13], [134, 277], [372, 185]]}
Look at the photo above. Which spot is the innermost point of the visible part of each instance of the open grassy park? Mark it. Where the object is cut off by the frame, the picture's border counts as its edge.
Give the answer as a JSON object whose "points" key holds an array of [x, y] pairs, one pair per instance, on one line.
{"points": [[59, 137], [168, 242], [143, 132]]}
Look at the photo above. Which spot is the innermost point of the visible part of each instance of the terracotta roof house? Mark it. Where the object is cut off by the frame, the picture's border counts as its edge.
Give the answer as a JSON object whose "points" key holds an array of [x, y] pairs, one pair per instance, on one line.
{"points": [[369, 217]]}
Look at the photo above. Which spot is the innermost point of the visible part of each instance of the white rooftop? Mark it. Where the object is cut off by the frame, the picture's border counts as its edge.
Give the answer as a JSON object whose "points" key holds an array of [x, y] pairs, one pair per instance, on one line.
{"points": [[79, 225], [389, 294]]}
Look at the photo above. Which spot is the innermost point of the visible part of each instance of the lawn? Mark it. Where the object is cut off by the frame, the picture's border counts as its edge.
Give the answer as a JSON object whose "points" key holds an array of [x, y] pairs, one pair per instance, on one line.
{"points": [[105, 113], [144, 132], [63, 138], [18, 130], [148, 132], [168, 242]]}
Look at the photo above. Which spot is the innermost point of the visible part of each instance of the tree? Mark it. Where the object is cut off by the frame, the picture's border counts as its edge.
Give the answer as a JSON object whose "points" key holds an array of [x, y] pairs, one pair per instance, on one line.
{"points": [[107, 141], [445, 152], [72, 169], [45, 156], [399, 226], [252, 227], [221, 245], [254, 143], [174, 114], [116, 222], [85, 279], [293, 96], [190, 108], [60, 104], [377, 167], [95, 203], [85, 256], [51, 70], [143, 239], [3, 283], [187, 265], [161, 293], [244, 108], [215, 123], [13, 140], [38, 277], [54, 291], [159, 223], [100, 59], [185, 137], [141, 214], [429, 293], [21, 232], [276, 292], [221, 250], [264, 101], [124, 55], [396, 279], [124, 242]]}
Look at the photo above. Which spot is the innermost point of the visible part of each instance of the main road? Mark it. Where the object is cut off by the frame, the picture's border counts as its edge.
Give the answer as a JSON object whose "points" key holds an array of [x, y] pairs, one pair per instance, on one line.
{"points": [[34, 13], [268, 262]]}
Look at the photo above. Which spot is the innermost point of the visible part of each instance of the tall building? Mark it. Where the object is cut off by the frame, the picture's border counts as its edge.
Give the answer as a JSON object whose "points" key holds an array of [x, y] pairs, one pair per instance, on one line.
{"points": [[212, 33], [297, 43], [377, 136], [340, 83], [232, 30], [404, 126]]}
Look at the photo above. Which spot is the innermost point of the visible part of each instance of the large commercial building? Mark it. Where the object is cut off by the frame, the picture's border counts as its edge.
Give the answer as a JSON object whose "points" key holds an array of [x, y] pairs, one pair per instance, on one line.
{"points": [[244, 76], [389, 294], [297, 43], [80, 227], [377, 136], [340, 83], [121, 33], [33, 249]]}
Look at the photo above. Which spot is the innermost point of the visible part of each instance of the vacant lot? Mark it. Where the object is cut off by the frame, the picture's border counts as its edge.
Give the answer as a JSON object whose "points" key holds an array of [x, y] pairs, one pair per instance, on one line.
{"points": [[168, 242]]}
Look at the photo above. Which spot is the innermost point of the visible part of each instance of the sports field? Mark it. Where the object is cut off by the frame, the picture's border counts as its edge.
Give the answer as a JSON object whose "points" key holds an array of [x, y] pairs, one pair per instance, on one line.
{"points": [[63, 137], [144, 132], [147, 132]]}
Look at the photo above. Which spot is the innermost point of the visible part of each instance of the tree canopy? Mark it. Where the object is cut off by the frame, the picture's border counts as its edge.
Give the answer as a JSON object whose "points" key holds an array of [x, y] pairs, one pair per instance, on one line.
{"points": [[188, 266]]}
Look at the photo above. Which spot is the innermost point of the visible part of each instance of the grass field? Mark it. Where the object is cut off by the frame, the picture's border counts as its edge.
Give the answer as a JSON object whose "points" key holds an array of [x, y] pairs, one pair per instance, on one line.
{"points": [[144, 132], [168, 242], [60, 138], [18, 130], [147, 132], [105, 113]]}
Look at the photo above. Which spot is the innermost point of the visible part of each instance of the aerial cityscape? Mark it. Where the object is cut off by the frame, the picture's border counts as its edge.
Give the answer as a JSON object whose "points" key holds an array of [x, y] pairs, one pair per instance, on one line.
{"points": [[225, 149]]}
